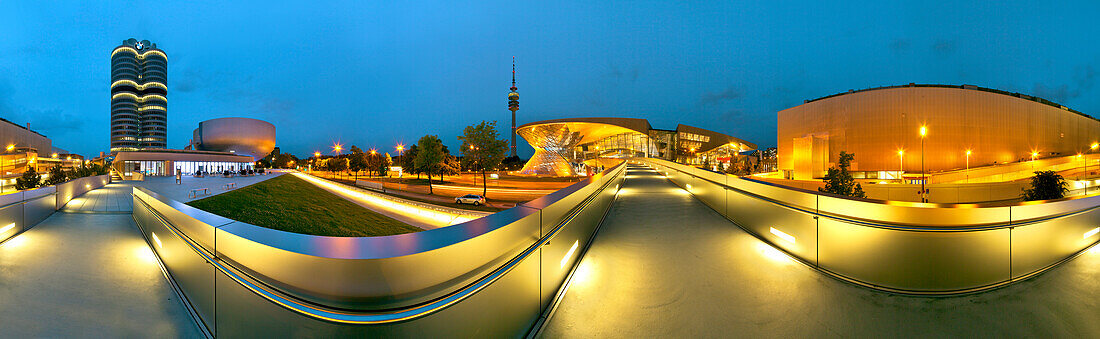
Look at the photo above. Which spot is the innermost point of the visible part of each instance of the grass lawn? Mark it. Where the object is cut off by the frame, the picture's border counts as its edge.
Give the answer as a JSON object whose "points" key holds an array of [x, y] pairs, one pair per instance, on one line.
{"points": [[290, 204]]}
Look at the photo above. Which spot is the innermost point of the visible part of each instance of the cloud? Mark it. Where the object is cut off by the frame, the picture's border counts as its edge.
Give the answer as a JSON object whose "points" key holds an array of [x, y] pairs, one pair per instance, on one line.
{"points": [[944, 47], [1084, 79], [899, 45], [631, 74], [53, 122], [711, 99], [732, 115]]}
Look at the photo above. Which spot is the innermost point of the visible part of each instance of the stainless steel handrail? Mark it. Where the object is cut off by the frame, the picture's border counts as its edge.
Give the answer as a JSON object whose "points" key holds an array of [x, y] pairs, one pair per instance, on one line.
{"points": [[901, 226], [313, 310]]}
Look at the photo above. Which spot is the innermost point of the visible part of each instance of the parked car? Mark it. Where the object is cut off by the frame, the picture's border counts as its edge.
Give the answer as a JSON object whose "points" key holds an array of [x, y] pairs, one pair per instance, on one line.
{"points": [[472, 199]]}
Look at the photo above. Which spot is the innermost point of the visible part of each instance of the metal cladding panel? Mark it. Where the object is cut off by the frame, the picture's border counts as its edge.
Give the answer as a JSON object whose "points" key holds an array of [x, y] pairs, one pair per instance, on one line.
{"points": [[243, 136], [564, 250], [760, 217], [1045, 240], [199, 227], [875, 124], [189, 270], [374, 283], [914, 261], [912, 247], [506, 308], [37, 209], [11, 215]]}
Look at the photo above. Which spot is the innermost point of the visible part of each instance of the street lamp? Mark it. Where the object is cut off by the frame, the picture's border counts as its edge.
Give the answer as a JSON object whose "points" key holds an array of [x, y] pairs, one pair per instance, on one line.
{"points": [[9, 149], [336, 148], [968, 166], [901, 164], [1033, 155], [923, 174]]}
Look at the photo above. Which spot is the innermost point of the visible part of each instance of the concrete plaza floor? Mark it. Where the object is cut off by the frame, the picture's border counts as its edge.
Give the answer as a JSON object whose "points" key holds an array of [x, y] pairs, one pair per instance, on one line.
{"points": [[666, 265], [214, 183], [86, 275]]}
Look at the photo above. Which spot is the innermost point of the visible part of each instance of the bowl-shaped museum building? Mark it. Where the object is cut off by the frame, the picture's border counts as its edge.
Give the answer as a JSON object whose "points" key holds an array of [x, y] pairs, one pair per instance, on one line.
{"points": [[241, 136]]}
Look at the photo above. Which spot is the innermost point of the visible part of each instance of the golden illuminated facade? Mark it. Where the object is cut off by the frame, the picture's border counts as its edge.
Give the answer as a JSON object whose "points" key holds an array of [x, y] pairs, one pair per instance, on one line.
{"points": [[566, 147], [139, 104], [963, 124]]}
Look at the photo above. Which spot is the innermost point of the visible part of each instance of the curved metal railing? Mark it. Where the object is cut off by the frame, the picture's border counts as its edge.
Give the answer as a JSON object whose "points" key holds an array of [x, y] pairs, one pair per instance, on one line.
{"points": [[903, 247], [425, 282]]}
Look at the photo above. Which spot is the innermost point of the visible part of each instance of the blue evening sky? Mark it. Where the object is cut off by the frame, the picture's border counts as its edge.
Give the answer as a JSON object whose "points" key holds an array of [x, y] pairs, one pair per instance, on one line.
{"points": [[373, 74]]}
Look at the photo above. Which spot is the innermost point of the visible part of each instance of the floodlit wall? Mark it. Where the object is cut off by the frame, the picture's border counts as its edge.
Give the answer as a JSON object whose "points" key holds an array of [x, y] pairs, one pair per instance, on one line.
{"points": [[900, 246], [875, 124], [489, 277]]}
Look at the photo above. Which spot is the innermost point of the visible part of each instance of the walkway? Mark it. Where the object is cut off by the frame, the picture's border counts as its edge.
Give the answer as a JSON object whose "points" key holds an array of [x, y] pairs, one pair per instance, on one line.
{"points": [[87, 275], [666, 265], [113, 198]]}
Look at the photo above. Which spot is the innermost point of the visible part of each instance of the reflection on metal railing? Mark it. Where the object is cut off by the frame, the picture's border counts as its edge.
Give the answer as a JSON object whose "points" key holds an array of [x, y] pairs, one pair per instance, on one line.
{"points": [[490, 276], [915, 248]]}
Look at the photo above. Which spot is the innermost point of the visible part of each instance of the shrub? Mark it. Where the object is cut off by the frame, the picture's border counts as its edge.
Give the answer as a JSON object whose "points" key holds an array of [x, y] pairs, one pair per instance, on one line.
{"points": [[57, 176], [839, 181], [29, 180], [1045, 185]]}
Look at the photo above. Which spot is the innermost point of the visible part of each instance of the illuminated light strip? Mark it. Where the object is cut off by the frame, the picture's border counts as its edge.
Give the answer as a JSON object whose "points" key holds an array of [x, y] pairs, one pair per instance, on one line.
{"points": [[500, 190], [141, 98], [7, 227], [136, 53], [143, 86], [146, 108], [1091, 232], [441, 217], [159, 245], [780, 234], [569, 254]]}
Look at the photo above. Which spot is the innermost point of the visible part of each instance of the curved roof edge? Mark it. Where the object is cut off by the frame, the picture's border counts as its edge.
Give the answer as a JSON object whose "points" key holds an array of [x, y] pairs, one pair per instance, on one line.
{"points": [[969, 87], [636, 124], [643, 126]]}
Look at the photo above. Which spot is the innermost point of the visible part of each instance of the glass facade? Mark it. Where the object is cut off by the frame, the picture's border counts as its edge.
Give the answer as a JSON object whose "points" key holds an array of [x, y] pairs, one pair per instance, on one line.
{"points": [[161, 168]]}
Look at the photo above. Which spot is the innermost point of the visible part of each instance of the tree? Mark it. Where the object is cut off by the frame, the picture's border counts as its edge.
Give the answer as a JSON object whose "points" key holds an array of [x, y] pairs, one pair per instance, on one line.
{"points": [[408, 161], [429, 157], [357, 162], [386, 163], [512, 163], [284, 160], [839, 181], [451, 165], [481, 150], [29, 180], [1045, 185], [336, 164], [57, 176]]}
